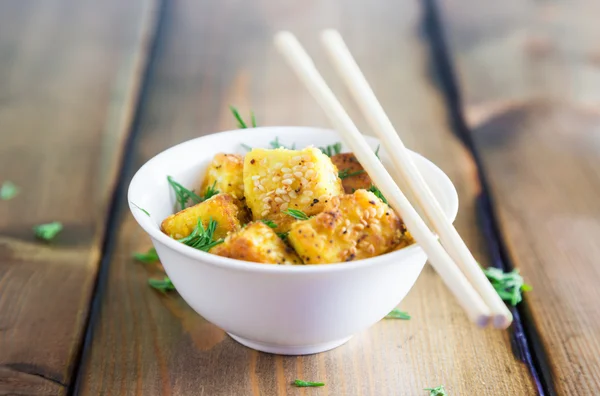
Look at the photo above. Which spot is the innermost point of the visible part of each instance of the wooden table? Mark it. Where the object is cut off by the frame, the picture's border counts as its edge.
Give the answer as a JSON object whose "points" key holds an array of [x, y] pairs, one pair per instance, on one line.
{"points": [[503, 96]]}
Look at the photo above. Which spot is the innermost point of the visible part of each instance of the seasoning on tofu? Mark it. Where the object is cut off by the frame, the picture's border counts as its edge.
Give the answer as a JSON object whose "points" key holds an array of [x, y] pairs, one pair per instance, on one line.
{"points": [[353, 227], [258, 243], [222, 208], [287, 206], [281, 179], [225, 174]]}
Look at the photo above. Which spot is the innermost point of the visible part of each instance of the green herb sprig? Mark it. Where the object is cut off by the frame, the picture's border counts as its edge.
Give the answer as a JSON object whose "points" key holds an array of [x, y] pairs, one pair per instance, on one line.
{"points": [[377, 193], [332, 149], [508, 285], [142, 209], [211, 191], [242, 124], [344, 173], [48, 231], [270, 223], [307, 384], [437, 391], [275, 144], [182, 194], [296, 213], [283, 235], [240, 120], [148, 258], [202, 238], [9, 190], [162, 285], [377, 152], [397, 314]]}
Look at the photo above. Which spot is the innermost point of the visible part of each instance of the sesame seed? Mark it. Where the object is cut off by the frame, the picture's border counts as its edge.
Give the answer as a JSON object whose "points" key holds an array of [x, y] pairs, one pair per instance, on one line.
{"points": [[271, 192], [275, 179], [310, 165], [284, 206], [280, 191], [347, 222], [287, 181], [296, 168], [278, 200], [286, 170], [367, 214], [266, 199], [278, 165], [298, 174], [371, 249], [264, 213], [261, 187], [308, 193], [288, 176], [304, 181], [255, 177], [286, 198], [297, 158], [256, 182], [293, 194], [305, 199], [310, 173], [359, 226]]}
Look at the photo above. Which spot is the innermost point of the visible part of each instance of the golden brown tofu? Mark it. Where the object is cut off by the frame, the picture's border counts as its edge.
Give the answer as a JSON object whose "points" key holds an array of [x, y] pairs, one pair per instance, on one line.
{"points": [[225, 173], [348, 163], [222, 208], [406, 240], [280, 179], [258, 243], [354, 226]]}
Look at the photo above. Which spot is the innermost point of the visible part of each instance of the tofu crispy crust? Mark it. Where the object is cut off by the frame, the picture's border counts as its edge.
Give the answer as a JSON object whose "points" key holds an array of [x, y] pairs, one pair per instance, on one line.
{"points": [[354, 226], [258, 243]]}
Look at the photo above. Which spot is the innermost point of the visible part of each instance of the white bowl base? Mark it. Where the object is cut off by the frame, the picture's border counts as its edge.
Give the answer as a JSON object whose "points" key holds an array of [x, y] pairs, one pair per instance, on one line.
{"points": [[290, 350]]}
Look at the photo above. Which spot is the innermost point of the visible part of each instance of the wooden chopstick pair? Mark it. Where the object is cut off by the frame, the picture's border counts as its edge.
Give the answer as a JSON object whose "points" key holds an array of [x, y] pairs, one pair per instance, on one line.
{"points": [[476, 295]]}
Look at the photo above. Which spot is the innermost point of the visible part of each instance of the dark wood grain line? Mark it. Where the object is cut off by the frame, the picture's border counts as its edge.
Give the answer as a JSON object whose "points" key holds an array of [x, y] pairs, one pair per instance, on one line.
{"points": [[69, 80], [115, 206], [526, 342]]}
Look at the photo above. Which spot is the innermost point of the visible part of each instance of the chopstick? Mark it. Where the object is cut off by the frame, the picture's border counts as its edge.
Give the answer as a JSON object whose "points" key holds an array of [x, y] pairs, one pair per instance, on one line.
{"points": [[405, 168], [472, 303]]}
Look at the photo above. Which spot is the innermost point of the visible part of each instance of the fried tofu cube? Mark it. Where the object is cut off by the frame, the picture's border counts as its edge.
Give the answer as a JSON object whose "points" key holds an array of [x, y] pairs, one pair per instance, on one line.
{"points": [[225, 174], [348, 163], [258, 243], [222, 208], [280, 179], [354, 226]]}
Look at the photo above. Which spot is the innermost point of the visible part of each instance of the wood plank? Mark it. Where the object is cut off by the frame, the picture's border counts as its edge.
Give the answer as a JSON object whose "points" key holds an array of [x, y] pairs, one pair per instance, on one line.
{"points": [[211, 55], [530, 78], [70, 73]]}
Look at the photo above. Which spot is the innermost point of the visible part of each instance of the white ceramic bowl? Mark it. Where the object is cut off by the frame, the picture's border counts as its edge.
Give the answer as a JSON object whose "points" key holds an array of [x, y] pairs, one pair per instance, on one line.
{"points": [[291, 310]]}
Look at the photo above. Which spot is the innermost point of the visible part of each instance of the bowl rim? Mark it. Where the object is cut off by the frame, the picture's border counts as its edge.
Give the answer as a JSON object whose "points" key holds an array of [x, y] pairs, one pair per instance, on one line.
{"points": [[148, 225]]}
